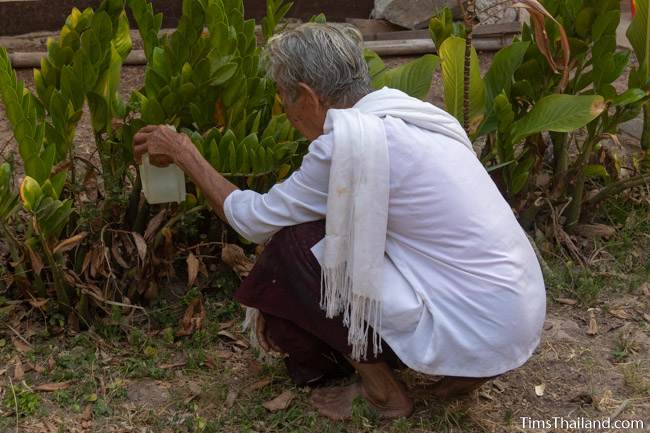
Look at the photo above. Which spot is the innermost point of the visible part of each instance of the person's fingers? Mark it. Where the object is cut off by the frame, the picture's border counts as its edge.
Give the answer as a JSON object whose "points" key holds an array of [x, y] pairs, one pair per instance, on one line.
{"points": [[160, 160], [138, 151], [141, 137], [149, 128]]}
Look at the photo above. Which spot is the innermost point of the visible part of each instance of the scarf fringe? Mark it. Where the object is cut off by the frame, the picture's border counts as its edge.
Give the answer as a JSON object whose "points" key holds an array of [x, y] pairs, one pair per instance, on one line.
{"points": [[360, 313]]}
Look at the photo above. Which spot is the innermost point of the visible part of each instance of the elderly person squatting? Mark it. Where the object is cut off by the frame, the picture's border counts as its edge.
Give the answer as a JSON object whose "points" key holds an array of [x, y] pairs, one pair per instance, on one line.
{"points": [[390, 246]]}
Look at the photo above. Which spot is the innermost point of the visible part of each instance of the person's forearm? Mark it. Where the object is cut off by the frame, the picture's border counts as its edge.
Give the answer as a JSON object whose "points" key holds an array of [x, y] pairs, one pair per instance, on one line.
{"points": [[214, 186]]}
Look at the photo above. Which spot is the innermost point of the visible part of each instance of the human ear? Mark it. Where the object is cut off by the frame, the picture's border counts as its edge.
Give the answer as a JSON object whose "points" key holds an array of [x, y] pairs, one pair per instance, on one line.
{"points": [[308, 98]]}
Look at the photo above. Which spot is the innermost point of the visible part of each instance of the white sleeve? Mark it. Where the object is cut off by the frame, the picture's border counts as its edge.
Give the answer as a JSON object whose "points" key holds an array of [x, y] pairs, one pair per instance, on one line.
{"points": [[300, 198]]}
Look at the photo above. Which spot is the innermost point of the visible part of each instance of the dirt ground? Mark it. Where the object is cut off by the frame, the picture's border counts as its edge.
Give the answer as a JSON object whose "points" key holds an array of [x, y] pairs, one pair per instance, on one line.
{"points": [[133, 375]]}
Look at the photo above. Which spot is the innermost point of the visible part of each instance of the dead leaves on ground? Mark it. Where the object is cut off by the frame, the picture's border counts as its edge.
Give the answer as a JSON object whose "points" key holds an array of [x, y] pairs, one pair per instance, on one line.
{"points": [[234, 256], [51, 387], [193, 265], [593, 325], [193, 319]]}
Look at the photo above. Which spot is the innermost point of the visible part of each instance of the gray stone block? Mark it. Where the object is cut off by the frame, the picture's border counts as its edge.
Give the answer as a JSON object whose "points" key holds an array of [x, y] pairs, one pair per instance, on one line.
{"points": [[413, 14]]}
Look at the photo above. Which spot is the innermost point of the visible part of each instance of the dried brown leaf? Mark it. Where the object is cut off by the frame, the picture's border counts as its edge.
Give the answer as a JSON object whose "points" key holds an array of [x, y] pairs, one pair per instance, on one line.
{"points": [[37, 262], [234, 256], [280, 402], [566, 301], [70, 243], [117, 255], [227, 334], [154, 225], [20, 345], [38, 302], [173, 365], [193, 319], [50, 387], [537, 14], [192, 269], [37, 368], [620, 313], [19, 371], [141, 245], [594, 231], [593, 325], [259, 384]]}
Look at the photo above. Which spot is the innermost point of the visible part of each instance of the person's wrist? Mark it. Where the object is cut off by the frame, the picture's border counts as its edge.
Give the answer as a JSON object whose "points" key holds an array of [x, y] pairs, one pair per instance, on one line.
{"points": [[186, 152]]}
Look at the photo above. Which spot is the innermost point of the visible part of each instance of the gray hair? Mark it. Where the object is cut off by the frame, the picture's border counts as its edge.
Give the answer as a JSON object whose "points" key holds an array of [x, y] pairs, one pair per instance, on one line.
{"points": [[328, 58]]}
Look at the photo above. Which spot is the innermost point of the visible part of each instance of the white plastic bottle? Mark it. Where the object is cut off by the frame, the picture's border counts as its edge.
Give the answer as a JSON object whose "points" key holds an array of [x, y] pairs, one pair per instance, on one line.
{"points": [[162, 184]]}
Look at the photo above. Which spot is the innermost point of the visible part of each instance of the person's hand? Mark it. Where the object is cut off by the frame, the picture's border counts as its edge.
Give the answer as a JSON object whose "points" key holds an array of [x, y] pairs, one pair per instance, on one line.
{"points": [[163, 145]]}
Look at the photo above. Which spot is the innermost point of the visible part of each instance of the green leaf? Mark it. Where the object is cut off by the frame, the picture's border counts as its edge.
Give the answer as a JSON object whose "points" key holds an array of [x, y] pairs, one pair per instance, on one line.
{"points": [[152, 112], [595, 170], [30, 193], [559, 113], [501, 74], [452, 54], [638, 33], [376, 68], [583, 22], [628, 97], [320, 18], [605, 24], [223, 74], [99, 112], [122, 39], [413, 78]]}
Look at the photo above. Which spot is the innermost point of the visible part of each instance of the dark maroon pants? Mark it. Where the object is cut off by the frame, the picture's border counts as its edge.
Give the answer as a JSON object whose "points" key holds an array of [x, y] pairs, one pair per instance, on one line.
{"points": [[285, 286]]}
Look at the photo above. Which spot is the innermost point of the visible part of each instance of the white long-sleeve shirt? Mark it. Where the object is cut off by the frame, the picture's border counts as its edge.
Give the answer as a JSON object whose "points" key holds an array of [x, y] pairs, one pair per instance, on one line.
{"points": [[466, 291]]}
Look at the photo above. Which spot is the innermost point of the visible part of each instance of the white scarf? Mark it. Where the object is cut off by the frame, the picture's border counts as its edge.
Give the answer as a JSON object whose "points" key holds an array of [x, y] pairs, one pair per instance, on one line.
{"points": [[357, 206]]}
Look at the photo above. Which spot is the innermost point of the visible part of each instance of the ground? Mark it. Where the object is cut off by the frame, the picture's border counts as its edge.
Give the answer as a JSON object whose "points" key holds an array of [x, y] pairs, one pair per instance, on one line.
{"points": [[130, 373]]}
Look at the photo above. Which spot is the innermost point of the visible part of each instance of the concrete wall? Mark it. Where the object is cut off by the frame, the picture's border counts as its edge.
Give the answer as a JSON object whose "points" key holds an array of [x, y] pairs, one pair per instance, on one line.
{"points": [[18, 17]]}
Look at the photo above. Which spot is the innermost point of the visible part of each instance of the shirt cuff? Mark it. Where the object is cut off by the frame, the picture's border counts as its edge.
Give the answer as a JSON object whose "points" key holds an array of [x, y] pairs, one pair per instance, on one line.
{"points": [[227, 210]]}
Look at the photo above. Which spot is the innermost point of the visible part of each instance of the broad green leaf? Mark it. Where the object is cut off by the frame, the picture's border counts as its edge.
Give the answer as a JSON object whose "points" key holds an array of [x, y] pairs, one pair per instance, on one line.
{"points": [[413, 78], [502, 71], [30, 193], [583, 22], [452, 55], [376, 68], [638, 33], [605, 24], [559, 113], [628, 97], [122, 39], [223, 74]]}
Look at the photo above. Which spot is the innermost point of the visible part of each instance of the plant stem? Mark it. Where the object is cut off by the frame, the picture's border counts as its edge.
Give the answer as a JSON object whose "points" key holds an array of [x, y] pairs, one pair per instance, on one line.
{"points": [[618, 187], [575, 207], [561, 159], [59, 283], [645, 137], [469, 13]]}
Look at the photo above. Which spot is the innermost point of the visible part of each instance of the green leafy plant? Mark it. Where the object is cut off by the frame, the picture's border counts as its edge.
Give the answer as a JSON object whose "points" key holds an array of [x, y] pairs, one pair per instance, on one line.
{"points": [[538, 94], [637, 34], [413, 78]]}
